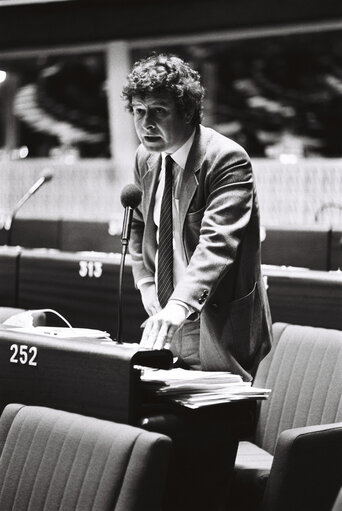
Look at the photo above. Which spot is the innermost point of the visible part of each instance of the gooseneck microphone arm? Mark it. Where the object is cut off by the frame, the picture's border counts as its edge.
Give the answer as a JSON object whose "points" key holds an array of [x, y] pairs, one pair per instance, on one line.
{"points": [[126, 231], [130, 199], [9, 224]]}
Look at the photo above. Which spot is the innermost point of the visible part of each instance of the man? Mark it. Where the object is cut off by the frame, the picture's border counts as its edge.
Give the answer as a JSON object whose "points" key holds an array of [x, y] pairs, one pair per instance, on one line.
{"points": [[215, 316]]}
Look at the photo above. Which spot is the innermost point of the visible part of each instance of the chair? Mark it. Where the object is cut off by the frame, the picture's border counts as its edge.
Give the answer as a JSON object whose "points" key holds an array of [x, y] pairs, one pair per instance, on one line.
{"points": [[338, 502], [56, 460], [294, 461]]}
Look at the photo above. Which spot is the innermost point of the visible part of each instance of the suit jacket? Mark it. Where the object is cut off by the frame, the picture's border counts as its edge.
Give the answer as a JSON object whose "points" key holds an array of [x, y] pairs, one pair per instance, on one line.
{"points": [[219, 216]]}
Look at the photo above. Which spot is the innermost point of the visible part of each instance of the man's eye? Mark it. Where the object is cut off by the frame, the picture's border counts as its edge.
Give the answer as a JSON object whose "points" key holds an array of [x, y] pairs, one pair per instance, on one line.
{"points": [[139, 112], [160, 111]]}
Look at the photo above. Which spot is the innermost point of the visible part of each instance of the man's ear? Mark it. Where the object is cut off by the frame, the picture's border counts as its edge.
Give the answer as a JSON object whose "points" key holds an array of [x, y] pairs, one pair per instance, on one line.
{"points": [[189, 116]]}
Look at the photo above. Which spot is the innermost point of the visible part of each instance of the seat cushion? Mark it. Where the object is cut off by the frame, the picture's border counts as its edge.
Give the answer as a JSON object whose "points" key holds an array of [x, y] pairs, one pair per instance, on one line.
{"points": [[252, 468]]}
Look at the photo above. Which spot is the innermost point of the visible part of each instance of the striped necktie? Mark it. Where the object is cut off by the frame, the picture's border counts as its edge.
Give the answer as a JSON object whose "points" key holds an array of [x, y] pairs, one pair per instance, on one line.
{"points": [[165, 247]]}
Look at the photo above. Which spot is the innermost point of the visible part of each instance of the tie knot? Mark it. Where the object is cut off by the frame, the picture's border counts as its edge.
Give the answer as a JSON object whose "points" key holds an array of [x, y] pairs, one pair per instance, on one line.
{"points": [[168, 163]]}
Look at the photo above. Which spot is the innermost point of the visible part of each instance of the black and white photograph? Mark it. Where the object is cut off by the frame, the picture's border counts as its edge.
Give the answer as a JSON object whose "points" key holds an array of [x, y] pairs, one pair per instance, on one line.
{"points": [[170, 255]]}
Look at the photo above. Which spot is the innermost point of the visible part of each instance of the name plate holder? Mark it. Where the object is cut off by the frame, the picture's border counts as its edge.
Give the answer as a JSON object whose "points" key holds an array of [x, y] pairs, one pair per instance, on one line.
{"points": [[89, 376]]}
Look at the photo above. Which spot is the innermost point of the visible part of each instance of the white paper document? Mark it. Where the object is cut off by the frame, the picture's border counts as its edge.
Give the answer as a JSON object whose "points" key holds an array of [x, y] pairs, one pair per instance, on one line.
{"points": [[195, 389], [62, 332]]}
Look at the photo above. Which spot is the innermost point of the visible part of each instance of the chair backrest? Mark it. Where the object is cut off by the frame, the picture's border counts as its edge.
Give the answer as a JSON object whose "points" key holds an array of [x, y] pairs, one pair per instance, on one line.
{"points": [[304, 371], [51, 459], [338, 502]]}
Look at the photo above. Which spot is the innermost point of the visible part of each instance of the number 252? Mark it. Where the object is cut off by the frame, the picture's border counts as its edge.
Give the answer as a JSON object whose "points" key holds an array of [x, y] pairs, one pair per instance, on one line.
{"points": [[23, 354]]}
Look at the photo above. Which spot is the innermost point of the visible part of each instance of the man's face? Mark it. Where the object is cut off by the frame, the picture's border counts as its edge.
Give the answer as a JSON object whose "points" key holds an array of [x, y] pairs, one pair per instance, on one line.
{"points": [[159, 124]]}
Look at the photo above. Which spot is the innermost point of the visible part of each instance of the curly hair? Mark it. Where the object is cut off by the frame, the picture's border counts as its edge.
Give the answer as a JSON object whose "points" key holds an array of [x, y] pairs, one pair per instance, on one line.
{"points": [[166, 73]]}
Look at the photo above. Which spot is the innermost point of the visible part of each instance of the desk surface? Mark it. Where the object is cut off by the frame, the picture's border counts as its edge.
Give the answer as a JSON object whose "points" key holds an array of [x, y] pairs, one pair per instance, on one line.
{"points": [[83, 287], [305, 297], [303, 274]]}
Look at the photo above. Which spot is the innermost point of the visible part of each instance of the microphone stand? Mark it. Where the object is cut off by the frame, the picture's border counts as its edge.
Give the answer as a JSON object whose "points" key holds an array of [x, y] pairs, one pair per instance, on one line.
{"points": [[8, 229], [124, 242], [9, 224]]}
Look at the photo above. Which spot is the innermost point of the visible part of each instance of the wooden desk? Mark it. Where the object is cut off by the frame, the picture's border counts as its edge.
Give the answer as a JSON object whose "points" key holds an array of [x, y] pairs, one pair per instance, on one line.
{"points": [[82, 375], [305, 297], [100, 379]]}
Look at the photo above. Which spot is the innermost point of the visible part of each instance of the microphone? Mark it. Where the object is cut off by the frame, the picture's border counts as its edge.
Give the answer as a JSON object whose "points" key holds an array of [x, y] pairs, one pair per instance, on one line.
{"points": [[44, 178], [130, 199]]}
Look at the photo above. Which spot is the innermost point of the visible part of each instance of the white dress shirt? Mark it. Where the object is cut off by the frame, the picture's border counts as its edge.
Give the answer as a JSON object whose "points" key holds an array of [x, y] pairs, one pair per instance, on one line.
{"points": [[179, 158]]}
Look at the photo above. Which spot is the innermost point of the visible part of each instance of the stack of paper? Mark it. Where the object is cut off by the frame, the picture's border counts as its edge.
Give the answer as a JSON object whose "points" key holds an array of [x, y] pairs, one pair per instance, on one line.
{"points": [[195, 389], [60, 332]]}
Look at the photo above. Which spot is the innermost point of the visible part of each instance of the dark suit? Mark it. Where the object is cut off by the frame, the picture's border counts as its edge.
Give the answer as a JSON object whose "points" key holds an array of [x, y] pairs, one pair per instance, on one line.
{"points": [[219, 213]]}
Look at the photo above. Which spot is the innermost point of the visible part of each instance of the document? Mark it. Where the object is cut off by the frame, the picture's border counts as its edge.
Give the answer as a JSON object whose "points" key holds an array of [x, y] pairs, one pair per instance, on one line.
{"points": [[195, 389], [62, 332]]}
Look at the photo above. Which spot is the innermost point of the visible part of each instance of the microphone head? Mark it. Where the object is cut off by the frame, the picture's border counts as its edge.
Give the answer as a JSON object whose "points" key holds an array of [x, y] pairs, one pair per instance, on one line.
{"points": [[47, 175], [130, 196]]}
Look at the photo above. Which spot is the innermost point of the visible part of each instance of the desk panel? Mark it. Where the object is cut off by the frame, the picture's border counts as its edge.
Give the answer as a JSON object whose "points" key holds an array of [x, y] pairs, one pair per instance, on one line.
{"points": [[336, 250], [33, 233], [77, 235], [9, 261], [82, 287], [308, 248], [81, 375], [305, 297]]}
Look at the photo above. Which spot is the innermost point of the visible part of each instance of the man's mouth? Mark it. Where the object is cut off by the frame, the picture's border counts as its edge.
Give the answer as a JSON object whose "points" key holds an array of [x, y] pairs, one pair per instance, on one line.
{"points": [[151, 138]]}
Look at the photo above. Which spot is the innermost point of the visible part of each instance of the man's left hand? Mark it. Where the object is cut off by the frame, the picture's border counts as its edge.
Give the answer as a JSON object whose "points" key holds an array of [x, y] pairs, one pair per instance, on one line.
{"points": [[161, 327]]}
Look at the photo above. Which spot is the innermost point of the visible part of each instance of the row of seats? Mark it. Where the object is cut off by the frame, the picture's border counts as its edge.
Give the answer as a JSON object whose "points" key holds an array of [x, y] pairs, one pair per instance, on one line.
{"points": [[314, 248], [304, 297], [65, 235], [83, 288]]}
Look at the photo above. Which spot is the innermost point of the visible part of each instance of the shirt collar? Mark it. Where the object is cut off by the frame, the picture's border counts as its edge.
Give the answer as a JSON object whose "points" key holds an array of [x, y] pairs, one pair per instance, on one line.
{"points": [[181, 155]]}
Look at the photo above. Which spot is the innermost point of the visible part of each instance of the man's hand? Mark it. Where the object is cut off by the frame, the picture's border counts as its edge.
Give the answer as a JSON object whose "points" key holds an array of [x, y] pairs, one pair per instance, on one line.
{"points": [[149, 298], [161, 327]]}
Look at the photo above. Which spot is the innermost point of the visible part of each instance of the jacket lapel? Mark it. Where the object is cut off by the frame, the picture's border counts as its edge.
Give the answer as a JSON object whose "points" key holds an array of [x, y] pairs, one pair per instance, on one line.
{"points": [[150, 183], [150, 180], [190, 180]]}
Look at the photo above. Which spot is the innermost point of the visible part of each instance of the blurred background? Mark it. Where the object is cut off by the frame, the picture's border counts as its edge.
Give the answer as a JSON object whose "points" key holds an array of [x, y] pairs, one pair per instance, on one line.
{"points": [[273, 77]]}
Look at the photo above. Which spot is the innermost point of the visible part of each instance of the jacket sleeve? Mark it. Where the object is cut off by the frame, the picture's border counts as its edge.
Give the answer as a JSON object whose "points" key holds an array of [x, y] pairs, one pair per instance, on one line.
{"points": [[226, 213]]}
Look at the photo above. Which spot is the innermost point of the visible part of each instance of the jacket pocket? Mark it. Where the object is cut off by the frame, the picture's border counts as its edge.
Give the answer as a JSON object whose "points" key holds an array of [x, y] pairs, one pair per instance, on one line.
{"points": [[239, 327], [195, 216]]}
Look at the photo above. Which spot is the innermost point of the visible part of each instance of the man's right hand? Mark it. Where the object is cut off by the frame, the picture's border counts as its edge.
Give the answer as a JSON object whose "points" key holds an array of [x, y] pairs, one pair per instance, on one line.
{"points": [[149, 298]]}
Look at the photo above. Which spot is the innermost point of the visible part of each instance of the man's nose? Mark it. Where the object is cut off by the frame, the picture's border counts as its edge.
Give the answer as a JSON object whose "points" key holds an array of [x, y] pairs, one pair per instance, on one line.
{"points": [[149, 121]]}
